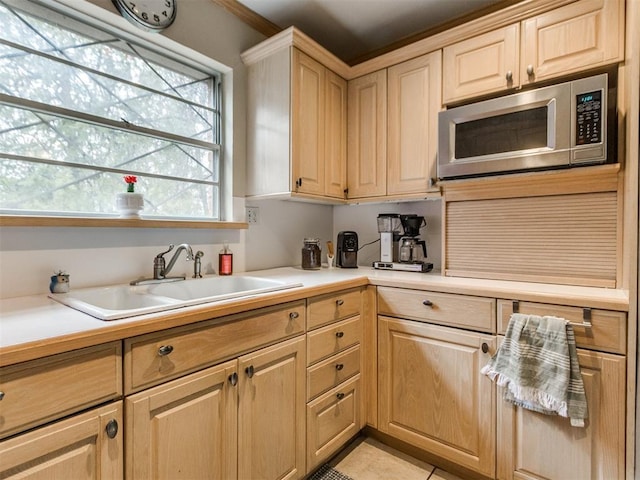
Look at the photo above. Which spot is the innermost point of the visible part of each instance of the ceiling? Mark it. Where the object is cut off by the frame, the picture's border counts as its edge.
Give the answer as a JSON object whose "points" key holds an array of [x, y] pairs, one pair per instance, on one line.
{"points": [[355, 30]]}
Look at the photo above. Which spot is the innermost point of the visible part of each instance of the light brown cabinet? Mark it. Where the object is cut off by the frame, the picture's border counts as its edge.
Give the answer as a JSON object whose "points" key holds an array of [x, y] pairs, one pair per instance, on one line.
{"points": [[296, 141], [595, 452], [414, 100], [87, 445], [392, 125], [335, 403], [432, 394], [583, 35]]}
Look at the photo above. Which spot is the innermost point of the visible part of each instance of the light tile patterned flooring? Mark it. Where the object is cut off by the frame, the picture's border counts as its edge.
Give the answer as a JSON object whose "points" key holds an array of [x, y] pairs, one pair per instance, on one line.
{"points": [[368, 459]]}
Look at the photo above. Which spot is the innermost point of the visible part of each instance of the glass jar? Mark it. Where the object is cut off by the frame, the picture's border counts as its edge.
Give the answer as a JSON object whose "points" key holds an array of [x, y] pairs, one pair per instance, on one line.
{"points": [[311, 254]]}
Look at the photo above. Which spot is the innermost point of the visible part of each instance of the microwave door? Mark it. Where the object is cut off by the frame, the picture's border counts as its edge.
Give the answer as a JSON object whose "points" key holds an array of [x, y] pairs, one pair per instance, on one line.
{"points": [[523, 131]]}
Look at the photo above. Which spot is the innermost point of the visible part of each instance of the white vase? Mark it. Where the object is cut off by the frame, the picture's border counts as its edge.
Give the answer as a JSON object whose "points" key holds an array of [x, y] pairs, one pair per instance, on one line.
{"points": [[129, 204]]}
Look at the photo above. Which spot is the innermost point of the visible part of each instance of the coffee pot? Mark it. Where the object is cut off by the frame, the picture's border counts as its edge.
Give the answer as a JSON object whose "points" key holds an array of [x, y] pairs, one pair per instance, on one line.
{"points": [[413, 250]]}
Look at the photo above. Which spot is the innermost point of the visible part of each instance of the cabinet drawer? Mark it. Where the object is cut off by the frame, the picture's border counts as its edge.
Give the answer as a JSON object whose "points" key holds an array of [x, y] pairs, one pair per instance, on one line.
{"points": [[42, 390], [477, 313], [332, 371], [332, 420], [333, 338], [330, 308], [608, 331], [154, 358]]}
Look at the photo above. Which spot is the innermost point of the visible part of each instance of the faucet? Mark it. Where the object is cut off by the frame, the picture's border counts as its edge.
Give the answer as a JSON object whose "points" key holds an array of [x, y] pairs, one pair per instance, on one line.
{"points": [[160, 271], [161, 268]]}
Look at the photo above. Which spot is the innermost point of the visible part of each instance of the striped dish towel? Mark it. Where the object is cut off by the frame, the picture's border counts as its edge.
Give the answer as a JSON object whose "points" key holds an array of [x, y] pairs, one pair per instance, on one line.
{"points": [[537, 364]]}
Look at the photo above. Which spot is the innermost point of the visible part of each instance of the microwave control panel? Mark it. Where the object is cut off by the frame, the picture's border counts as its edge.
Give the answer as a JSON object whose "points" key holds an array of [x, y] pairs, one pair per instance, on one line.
{"points": [[589, 118]]}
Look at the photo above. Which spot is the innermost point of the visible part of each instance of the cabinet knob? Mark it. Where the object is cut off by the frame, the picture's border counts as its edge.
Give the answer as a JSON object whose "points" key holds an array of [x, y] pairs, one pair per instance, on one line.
{"points": [[529, 70], [427, 303], [509, 76], [249, 371], [485, 347], [1, 395], [339, 302], [165, 350], [293, 315], [112, 428], [339, 334], [339, 366], [233, 379], [340, 396]]}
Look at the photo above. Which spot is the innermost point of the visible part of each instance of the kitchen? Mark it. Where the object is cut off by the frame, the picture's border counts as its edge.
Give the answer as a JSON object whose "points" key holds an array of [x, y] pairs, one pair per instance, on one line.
{"points": [[98, 256]]}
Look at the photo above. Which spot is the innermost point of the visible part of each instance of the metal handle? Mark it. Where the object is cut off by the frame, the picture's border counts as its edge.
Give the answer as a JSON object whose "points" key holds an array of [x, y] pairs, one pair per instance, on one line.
{"points": [[339, 366], [165, 350], [340, 396], [339, 302], [427, 303], [112, 428], [249, 371], [1, 395], [485, 347], [233, 379], [529, 70], [293, 315], [339, 334], [160, 255], [509, 76]]}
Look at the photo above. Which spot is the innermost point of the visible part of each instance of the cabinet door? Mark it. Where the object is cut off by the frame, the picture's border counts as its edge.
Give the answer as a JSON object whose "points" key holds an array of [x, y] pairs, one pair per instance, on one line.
{"points": [[535, 446], [481, 65], [585, 34], [307, 113], [76, 448], [184, 429], [432, 394], [271, 412], [335, 148], [367, 135], [414, 101]]}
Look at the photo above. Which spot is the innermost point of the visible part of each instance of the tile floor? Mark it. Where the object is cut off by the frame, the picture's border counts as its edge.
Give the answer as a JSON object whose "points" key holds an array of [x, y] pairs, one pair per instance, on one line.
{"points": [[368, 459]]}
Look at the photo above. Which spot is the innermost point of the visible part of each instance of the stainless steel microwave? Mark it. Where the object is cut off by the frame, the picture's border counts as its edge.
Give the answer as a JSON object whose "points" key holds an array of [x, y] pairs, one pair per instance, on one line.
{"points": [[561, 125]]}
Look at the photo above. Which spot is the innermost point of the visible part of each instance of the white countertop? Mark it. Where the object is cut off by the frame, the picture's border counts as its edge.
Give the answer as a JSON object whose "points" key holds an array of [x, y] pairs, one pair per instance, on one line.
{"points": [[33, 321]]}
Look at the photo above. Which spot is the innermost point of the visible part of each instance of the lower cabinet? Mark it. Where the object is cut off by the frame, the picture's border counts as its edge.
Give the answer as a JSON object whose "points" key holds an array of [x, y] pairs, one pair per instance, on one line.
{"points": [[535, 446], [432, 394], [240, 419], [87, 445]]}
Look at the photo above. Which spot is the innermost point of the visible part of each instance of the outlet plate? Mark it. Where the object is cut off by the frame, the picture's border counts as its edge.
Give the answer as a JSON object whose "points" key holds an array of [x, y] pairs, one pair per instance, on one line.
{"points": [[253, 216]]}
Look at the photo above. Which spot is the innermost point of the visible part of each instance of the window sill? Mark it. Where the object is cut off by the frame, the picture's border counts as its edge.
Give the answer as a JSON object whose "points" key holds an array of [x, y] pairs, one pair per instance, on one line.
{"points": [[36, 221]]}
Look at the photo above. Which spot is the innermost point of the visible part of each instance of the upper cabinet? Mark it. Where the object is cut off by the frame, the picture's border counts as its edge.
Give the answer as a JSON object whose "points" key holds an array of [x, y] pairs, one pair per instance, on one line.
{"points": [[392, 121], [579, 36], [296, 127]]}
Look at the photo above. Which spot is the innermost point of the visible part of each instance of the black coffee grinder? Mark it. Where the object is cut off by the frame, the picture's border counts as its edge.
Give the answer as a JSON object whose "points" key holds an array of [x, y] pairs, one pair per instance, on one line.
{"points": [[347, 250]]}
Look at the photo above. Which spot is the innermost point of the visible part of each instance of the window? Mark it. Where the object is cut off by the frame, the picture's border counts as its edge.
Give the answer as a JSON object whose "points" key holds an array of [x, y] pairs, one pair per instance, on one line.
{"points": [[82, 107]]}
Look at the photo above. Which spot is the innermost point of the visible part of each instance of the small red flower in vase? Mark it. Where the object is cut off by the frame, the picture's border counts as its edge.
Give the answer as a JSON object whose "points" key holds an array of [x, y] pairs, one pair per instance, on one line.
{"points": [[130, 204], [131, 182]]}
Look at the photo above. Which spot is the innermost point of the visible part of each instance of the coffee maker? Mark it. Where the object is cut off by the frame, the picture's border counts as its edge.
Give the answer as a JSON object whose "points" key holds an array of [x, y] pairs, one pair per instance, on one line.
{"points": [[402, 250]]}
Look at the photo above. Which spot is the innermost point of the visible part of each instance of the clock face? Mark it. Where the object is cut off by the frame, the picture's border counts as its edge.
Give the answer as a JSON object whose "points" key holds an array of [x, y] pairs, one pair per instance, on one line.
{"points": [[150, 15]]}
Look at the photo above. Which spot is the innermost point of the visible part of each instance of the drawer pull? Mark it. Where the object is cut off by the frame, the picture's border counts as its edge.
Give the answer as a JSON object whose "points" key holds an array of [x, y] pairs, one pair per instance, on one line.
{"points": [[112, 428], [293, 315], [249, 371], [165, 350], [1, 395], [428, 303], [339, 366], [339, 334], [485, 347], [530, 70], [340, 396], [233, 379], [339, 302]]}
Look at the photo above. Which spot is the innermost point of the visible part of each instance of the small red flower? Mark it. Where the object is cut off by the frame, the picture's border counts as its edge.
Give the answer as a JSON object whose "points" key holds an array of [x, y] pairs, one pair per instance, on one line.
{"points": [[131, 180]]}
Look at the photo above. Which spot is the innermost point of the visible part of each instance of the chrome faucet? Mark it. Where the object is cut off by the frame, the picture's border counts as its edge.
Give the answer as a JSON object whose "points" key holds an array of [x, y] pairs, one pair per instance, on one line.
{"points": [[161, 269]]}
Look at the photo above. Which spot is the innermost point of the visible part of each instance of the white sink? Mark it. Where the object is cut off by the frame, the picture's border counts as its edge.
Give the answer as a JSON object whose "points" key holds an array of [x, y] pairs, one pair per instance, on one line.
{"points": [[121, 301]]}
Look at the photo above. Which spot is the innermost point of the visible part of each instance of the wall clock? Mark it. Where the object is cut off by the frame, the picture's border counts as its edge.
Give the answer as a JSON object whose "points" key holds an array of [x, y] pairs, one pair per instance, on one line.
{"points": [[150, 15]]}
